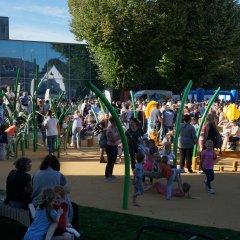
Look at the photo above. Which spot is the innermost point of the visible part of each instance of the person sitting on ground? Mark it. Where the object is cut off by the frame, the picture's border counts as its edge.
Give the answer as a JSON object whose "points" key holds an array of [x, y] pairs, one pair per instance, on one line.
{"points": [[19, 187]]}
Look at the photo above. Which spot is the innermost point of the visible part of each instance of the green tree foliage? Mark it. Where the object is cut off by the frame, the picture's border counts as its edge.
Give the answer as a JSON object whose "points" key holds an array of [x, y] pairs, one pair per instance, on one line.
{"points": [[160, 44]]}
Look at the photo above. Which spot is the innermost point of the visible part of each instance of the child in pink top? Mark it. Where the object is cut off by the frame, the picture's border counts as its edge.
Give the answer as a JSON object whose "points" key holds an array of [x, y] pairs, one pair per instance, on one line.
{"points": [[208, 157]]}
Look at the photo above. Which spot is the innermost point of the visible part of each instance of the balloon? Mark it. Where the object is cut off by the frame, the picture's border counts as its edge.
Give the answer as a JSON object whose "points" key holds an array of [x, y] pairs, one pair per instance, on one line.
{"points": [[149, 108], [232, 113]]}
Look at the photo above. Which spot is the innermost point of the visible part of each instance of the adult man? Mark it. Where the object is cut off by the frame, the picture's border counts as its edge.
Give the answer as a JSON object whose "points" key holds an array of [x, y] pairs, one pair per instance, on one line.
{"points": [[167, 121], [52, 131], [155, 118]]}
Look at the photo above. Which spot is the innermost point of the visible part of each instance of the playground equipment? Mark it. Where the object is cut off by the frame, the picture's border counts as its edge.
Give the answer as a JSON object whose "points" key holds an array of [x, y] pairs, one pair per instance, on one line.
{"points": [[179, 117], [123, 139], [200, 95]]}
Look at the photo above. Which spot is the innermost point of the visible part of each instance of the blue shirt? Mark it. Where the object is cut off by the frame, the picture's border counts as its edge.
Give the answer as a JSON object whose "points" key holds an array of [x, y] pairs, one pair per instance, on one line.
{"points": [[38, 229]]}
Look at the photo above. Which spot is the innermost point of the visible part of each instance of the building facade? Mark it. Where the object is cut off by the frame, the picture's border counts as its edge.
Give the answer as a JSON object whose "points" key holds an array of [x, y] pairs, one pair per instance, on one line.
{"points": [[4, 28], [63, 67]]}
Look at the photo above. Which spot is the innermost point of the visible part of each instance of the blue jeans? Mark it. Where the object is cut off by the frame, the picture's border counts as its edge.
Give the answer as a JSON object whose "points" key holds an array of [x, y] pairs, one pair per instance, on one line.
{"points": [[51, 141], [171, 180], [210, 176]]}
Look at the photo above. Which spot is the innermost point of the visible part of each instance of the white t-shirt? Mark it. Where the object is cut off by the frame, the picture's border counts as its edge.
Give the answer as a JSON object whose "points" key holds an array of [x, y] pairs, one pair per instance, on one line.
{"points": [[52, 129], [77, 122]]}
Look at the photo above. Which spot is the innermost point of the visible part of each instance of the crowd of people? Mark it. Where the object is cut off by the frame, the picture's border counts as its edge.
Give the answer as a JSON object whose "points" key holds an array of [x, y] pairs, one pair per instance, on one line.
{"points": [[149, 141]]}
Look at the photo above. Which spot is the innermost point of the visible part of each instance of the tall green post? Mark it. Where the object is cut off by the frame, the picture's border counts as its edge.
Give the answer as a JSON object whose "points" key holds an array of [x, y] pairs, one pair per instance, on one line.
{"points": [[35, 97], [204, 117], [102, 106], [123, 138], [179, 117], [16, 90], [133, 104]]}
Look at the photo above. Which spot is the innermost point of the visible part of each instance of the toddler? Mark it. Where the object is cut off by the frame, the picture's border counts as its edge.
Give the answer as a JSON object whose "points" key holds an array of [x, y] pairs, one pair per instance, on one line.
{"points": [[138, 178], [208, 157], [44, 217], [167, 151]]}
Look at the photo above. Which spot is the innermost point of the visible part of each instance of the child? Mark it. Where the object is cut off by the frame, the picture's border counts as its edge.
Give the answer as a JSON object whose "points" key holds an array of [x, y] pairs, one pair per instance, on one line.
{"points": [[11, 133], [208, 157], [45, 216], [138, 178], [167, 151], [153, 135], [170, 174], [64, 226]]}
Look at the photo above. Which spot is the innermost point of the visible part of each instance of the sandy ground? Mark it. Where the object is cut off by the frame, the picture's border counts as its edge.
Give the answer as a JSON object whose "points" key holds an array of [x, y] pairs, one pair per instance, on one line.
{"points": [[86, 177]]}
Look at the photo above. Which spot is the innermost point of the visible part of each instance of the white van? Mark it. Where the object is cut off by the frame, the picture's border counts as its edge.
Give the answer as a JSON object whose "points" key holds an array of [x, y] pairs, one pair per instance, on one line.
{"points": [[157, 95]]}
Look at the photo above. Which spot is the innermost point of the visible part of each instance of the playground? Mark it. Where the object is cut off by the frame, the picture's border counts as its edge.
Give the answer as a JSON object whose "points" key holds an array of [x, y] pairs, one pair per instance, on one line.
{"points": [[88, 188]]}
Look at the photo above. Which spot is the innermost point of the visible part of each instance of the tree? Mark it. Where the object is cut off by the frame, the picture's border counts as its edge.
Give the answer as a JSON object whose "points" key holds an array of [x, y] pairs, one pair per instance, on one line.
{"points": [[159, 43], [121, 36]]}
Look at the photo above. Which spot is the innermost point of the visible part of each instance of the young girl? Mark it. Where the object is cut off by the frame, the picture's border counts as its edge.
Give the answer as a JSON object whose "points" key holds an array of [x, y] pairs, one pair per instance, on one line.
{"points": [[45, 216], [208, 158], [167, 151], [138, 178], [64, 227]]}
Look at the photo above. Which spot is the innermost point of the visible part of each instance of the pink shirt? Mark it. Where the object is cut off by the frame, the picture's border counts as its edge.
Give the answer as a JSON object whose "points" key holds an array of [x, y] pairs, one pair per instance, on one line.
{"points": [[208, 157]]}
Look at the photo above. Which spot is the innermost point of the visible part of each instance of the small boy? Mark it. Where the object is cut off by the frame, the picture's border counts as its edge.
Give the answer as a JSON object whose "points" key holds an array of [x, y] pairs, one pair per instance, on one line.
{"points": [[138, 178]]}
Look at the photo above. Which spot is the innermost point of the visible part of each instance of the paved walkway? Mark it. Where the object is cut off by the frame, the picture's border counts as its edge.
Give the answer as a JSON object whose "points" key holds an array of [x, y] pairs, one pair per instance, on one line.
{"points": [[85, 176]]}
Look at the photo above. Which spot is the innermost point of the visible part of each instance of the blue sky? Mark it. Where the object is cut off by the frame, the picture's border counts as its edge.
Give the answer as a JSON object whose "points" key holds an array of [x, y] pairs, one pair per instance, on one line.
{"points": [[38, 20]]}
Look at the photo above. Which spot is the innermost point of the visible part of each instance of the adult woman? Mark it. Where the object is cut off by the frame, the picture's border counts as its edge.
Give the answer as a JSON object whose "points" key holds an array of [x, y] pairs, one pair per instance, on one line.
{"points": [[210, 130], [52, 131], [18, 187], [100, 131], [111, 149], [232, 135], [187, 139], [47, 176], [76, 128], [134, 133]]}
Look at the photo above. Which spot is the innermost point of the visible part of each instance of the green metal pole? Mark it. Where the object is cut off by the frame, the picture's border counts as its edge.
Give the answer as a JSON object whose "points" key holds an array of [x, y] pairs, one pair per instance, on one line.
{"points": [[203, 119], [95, 115], [123, 138], [178, 122], [16, 90], [35, 136], [59, 98], [133, 104], [102, 106]]}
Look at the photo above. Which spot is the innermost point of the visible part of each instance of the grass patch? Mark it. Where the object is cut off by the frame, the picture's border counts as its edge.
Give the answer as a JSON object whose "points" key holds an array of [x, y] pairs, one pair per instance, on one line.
{"points": [[107, 225]]}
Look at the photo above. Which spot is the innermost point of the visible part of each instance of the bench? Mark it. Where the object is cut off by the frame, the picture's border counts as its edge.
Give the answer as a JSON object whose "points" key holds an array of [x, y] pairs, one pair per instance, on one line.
{"points": [[17, 214]]}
